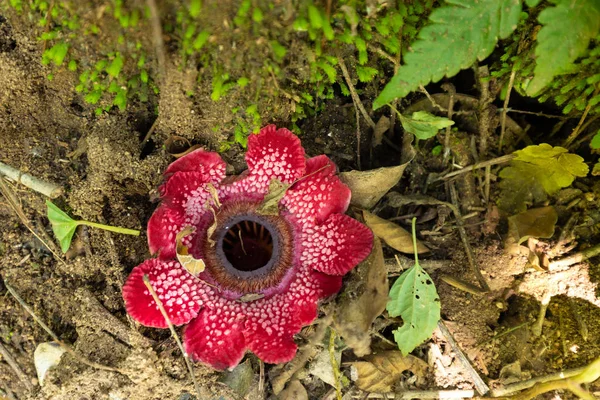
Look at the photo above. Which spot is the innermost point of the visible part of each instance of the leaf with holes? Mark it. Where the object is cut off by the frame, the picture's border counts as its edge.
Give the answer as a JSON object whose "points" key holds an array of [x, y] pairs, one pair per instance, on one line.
{"points": [[423, 124], [459, 33], [414, 298], [565, 35]]}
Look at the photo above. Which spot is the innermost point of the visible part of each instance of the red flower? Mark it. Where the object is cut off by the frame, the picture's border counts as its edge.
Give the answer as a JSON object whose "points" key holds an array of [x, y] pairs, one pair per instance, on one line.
{"points": [[264, 273]]}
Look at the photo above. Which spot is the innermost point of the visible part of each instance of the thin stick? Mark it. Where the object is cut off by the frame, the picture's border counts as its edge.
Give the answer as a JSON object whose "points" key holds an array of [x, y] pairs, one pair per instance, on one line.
{"points": [[431, 100], [480, 385], [451, 92], [13, 364], [465, 240], [425, 394], [575, 258], [587, 137], [461, 285], [55, 338], [487, 184], [511, 82], [48, 189], [577, 129], [16, 207], [358, 135], [157, 38], [539, 114], [334, 365], [482, 164], [188, 363], [261, 378], [353, 93]]}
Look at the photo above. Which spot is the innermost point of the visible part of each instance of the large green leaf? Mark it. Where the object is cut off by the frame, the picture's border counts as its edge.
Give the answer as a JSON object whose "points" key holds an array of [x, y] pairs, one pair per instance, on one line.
{"points": [[535, 172], [565, 36], [423, 124], [414, 298], [63, 226], [459, 34]]}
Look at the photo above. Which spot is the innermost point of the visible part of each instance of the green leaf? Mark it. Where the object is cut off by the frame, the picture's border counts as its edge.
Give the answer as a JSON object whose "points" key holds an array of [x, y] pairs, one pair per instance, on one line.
{"points": [[63, 226], [414, 298], [195, 7], [243, 81], [595, 143], [565, 36], [114, 69], [314, 16], [535, 173], [532, 3], [365, 74], [257, 15], [201, 40], [93, 97], [278, 50], [423, 124], [459, 34]]}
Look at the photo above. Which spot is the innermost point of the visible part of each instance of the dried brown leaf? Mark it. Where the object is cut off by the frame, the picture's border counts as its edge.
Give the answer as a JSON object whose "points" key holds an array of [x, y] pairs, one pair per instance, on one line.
{"points": [[380, 371], [392, 234], [293, 391], [368, 187], [535, 223], [354, 315], [381, 128]]}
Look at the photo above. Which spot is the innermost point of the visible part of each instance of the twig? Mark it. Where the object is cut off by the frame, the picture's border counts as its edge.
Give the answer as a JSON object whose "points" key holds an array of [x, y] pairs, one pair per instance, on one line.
{"points": [[487, 184], [157, 38], [334, 365], [431, 100], [587, 137], [56, 339], [465, 240], [13, 364], [575, 258], [150, 132], [353, 93], [186, 357], [448, 87], [482, 164], [485, 112], [382, 53], [461, 285], [425, 394], [539, 114], [501, 334], [261, 378], [536, 329], [309, 351], [48, 189], [16, 207], [577, 129], [480, 385], [358, 135], [511, 82]]}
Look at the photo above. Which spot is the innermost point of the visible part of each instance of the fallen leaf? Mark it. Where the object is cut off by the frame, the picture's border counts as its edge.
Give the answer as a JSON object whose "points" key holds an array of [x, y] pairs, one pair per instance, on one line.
{"points": [[535, 223], [320, 366], [293, 391], [382, 127], [392, 234], [178, 146], [46, 356], [354, 314], [239, 379], [368, 187], [381, 371], [596, 170], [192, 265], [270, 204]]}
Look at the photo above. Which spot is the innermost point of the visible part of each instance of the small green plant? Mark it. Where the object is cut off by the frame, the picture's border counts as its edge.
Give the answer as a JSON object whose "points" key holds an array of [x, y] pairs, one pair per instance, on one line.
{"points": [[414, 298], [64, 226], [423, 124]]}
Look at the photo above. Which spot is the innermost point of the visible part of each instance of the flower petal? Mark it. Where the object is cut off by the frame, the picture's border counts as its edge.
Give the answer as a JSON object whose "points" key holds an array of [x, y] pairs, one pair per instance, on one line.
{"points": [[185, 197], [182, 295], [270, 328], [163, 227], [273, 154], [337, 245], [318, 195], [216, 339], [208, 164], [307, 289]]}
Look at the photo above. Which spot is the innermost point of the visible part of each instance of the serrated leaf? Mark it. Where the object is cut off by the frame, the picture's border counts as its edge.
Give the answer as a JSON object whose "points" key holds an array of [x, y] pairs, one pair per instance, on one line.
{"points": [[535, 223], [63, 226], [392, 234], [414, 298], [566, 33], [458, 34], [381, 371], [365, 74], [368, 187], [114, 69], [423, 124], [535, 172]]}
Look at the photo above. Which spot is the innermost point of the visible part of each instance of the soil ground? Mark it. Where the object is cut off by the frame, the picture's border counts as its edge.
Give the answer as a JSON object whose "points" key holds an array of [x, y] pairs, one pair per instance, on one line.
{"points": [[46, 130]]}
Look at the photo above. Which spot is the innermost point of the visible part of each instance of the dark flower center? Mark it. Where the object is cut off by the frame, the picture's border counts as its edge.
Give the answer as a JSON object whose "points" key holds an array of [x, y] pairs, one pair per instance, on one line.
{"points": [[248, 245]]}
